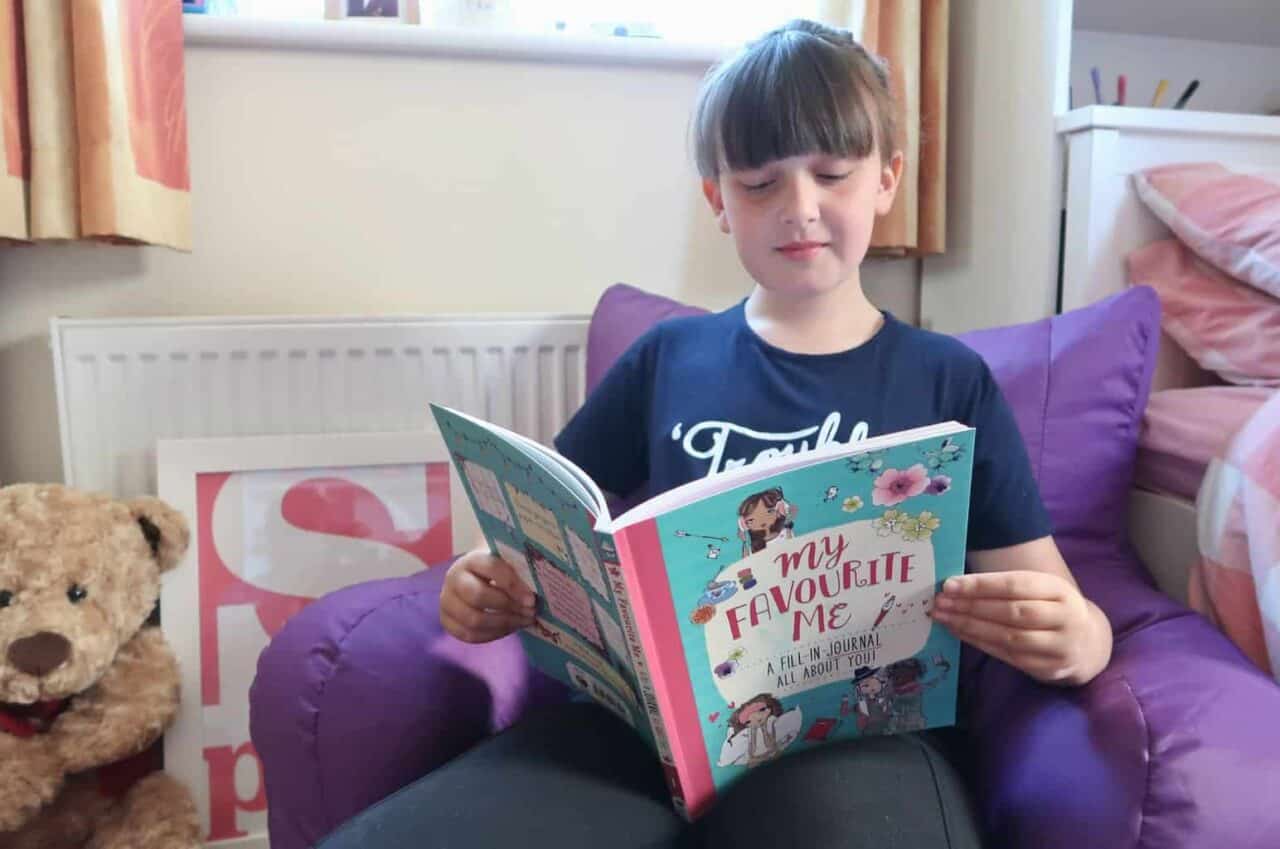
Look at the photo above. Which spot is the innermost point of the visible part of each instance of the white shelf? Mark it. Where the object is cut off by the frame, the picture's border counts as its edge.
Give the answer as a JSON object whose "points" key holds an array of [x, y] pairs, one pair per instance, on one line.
{"points": [[1165, 120]]}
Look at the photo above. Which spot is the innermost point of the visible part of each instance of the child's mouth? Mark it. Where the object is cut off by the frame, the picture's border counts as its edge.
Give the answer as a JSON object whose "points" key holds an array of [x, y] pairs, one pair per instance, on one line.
{"points": [[801, 250]]}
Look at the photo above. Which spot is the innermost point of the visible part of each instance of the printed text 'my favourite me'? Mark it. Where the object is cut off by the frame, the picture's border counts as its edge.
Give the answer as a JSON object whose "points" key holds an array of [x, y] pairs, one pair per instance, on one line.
{"points": [[837, 576]]}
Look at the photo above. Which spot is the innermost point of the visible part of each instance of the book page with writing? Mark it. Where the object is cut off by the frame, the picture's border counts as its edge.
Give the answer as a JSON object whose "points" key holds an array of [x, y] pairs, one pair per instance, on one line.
{"points": [[573, 478]]}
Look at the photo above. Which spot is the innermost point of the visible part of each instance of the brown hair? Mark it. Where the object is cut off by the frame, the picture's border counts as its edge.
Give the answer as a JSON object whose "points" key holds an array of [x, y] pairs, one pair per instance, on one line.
{"points": [[802, 88], [770, 498], [774, 706]]}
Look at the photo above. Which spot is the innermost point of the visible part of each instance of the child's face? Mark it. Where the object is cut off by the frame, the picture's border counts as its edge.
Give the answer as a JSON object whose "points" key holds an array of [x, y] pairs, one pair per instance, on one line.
{"points": [[755, 714], [761, 517], [802, 225]]}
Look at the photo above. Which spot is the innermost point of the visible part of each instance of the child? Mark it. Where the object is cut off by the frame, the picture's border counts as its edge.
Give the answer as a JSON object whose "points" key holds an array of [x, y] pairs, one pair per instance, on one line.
{"points": [[795, 141]]}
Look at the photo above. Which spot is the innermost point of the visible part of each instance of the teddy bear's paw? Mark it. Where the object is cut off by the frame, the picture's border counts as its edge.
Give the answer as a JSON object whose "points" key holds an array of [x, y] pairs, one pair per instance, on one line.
{"points": [[67, 821], [23, 795], [158, 813]]}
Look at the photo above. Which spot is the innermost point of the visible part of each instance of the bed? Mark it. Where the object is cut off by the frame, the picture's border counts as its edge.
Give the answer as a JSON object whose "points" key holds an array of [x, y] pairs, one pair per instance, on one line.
{"points": [[1193, 414]]}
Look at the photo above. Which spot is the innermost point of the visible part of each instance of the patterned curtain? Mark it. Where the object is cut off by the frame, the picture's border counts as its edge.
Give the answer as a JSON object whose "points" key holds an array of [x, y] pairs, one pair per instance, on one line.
{"points": [[912, 36], [94, 121]]}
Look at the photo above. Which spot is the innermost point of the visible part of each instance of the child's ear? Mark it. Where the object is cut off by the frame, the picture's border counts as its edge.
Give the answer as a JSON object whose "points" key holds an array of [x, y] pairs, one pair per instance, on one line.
{"points": [[711, 191], [890, 176]]}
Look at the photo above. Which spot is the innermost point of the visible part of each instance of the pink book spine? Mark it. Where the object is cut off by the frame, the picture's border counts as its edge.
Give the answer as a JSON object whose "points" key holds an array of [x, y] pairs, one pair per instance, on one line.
{"points": [[681, 747]]}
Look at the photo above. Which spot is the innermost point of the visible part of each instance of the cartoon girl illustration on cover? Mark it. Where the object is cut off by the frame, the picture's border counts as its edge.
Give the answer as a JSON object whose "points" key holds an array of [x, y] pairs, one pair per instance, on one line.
{"points": [[874, 708], [759, 730], [907, 691], [763, 519]]}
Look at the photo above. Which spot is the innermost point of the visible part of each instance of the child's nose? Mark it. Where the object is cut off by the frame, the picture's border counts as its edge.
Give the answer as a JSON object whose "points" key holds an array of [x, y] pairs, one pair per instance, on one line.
{"points": [[799, 202]]}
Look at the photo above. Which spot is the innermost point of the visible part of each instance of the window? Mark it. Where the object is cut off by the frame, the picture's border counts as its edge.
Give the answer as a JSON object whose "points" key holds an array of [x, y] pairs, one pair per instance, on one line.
{"points": [[689, 21]]}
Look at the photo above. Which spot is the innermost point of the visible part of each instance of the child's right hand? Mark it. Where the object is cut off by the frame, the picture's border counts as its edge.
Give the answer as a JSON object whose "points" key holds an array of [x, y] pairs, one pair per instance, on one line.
{"points": [[483, 599]]}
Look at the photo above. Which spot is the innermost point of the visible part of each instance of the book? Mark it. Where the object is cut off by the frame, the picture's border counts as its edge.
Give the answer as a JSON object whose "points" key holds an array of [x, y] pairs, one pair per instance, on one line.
{"points": [[744, 616]]}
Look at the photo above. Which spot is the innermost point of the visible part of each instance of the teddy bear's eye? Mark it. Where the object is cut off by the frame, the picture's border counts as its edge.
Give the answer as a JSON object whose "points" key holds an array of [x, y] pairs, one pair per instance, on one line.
{"points": [[6, 598], [76, 594]]}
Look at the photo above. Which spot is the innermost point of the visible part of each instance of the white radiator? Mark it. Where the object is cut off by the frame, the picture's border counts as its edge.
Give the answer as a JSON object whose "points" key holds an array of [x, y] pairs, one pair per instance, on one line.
{"points": [[124, 383]]}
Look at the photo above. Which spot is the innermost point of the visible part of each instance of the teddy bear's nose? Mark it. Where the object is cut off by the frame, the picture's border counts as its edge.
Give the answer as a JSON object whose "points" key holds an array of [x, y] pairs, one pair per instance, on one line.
{"points": [[40, 653]]}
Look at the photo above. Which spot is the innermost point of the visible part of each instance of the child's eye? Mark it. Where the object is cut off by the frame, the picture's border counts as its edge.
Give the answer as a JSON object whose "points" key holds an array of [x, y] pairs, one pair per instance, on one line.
{"points": [[834, 178], [755, 187]]}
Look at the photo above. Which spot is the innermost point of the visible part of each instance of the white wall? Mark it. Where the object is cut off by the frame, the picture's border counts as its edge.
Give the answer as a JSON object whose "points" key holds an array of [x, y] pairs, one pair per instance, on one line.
{"points": [[1234, 21], [1006, 84], [1233, 77], [359, 183]]}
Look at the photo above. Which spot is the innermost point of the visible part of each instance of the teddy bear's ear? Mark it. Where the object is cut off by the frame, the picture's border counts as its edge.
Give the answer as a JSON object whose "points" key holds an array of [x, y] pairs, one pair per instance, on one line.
{"points": [[165, 529]]}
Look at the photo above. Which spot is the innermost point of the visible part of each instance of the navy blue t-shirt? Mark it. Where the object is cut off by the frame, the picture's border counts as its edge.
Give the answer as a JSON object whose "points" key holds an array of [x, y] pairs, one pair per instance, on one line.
{"points": [[699, 395]]}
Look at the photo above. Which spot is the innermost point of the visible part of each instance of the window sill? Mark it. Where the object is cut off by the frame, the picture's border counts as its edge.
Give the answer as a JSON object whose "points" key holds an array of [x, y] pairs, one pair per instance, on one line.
{"points": [[401, 39]]}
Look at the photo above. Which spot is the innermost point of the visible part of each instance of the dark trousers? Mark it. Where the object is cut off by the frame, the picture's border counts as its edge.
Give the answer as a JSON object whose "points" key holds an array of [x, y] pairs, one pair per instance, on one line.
{"points": [[576, 776]]}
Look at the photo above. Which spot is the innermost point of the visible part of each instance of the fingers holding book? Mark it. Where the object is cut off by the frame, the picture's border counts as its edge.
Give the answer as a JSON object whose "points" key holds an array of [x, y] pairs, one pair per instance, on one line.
{"points": [[483, 599]]}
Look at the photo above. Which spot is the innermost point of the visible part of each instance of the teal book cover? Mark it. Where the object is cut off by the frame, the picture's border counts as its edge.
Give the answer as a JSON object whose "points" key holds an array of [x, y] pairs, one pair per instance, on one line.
{"points": [[745, 616], [802, 603]]}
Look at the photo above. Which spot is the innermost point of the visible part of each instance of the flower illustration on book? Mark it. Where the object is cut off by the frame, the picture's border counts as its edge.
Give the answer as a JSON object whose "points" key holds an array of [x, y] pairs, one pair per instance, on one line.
{"points": [[871, 462], [938, 484], [917, 528], [948, 452], [889, 523], [895, 486], [852, 503], [729, 666]]}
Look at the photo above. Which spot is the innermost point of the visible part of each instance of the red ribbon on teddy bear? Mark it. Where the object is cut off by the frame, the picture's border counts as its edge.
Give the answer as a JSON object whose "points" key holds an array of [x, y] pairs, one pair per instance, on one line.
{"points": [[30, 720]]}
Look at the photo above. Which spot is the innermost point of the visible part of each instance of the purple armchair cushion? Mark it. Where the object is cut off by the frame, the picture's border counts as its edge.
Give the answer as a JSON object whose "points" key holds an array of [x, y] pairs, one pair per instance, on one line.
{"points": [[622, 315], [362, 692], [1078, 384]]}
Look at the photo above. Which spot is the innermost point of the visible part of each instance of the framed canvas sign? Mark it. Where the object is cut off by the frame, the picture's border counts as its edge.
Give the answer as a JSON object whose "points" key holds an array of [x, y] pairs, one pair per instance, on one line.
{"points": [[277, 522], [404, 11]]}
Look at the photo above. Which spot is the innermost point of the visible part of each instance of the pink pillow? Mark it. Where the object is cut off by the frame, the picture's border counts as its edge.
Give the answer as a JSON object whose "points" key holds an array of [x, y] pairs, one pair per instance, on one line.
{"points": [[1226, 327], [1231, 220], [1184, 429], [1236, 582]]}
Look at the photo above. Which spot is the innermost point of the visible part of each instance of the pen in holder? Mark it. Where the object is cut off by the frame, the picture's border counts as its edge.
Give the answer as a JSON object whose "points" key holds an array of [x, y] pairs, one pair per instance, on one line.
{"points": [[1186, 95], [1161, 88]]}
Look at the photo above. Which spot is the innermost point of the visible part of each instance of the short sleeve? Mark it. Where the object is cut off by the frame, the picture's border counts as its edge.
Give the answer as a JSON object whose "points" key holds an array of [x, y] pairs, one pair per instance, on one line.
{"points": [[606, 438], [1005, 507]]}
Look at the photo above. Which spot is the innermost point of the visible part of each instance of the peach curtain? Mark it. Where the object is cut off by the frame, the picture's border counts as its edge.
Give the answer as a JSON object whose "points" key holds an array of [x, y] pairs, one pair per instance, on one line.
{"points": [[92, 97], [912, 36]]}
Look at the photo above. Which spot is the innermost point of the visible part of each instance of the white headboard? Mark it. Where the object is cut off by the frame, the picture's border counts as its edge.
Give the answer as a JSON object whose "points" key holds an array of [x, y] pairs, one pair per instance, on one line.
{"points": [[1106, 220]]}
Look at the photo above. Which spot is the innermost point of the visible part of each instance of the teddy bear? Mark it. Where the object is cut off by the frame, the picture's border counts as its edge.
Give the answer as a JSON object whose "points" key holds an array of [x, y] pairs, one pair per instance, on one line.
{"points": [[87, 684]]}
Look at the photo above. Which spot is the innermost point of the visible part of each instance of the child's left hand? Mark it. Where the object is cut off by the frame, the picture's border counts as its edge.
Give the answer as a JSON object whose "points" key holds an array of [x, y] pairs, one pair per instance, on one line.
{"points": [[1037, 622]]}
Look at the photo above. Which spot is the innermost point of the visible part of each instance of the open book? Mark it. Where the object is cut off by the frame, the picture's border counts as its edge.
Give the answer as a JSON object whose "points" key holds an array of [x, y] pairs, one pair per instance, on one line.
{"points": [[746, 615]]}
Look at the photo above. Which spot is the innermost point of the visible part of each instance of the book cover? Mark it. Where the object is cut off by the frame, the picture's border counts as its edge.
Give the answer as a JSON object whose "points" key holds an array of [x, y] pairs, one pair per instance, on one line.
{"points": [[799, 606], [745, 616]]}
